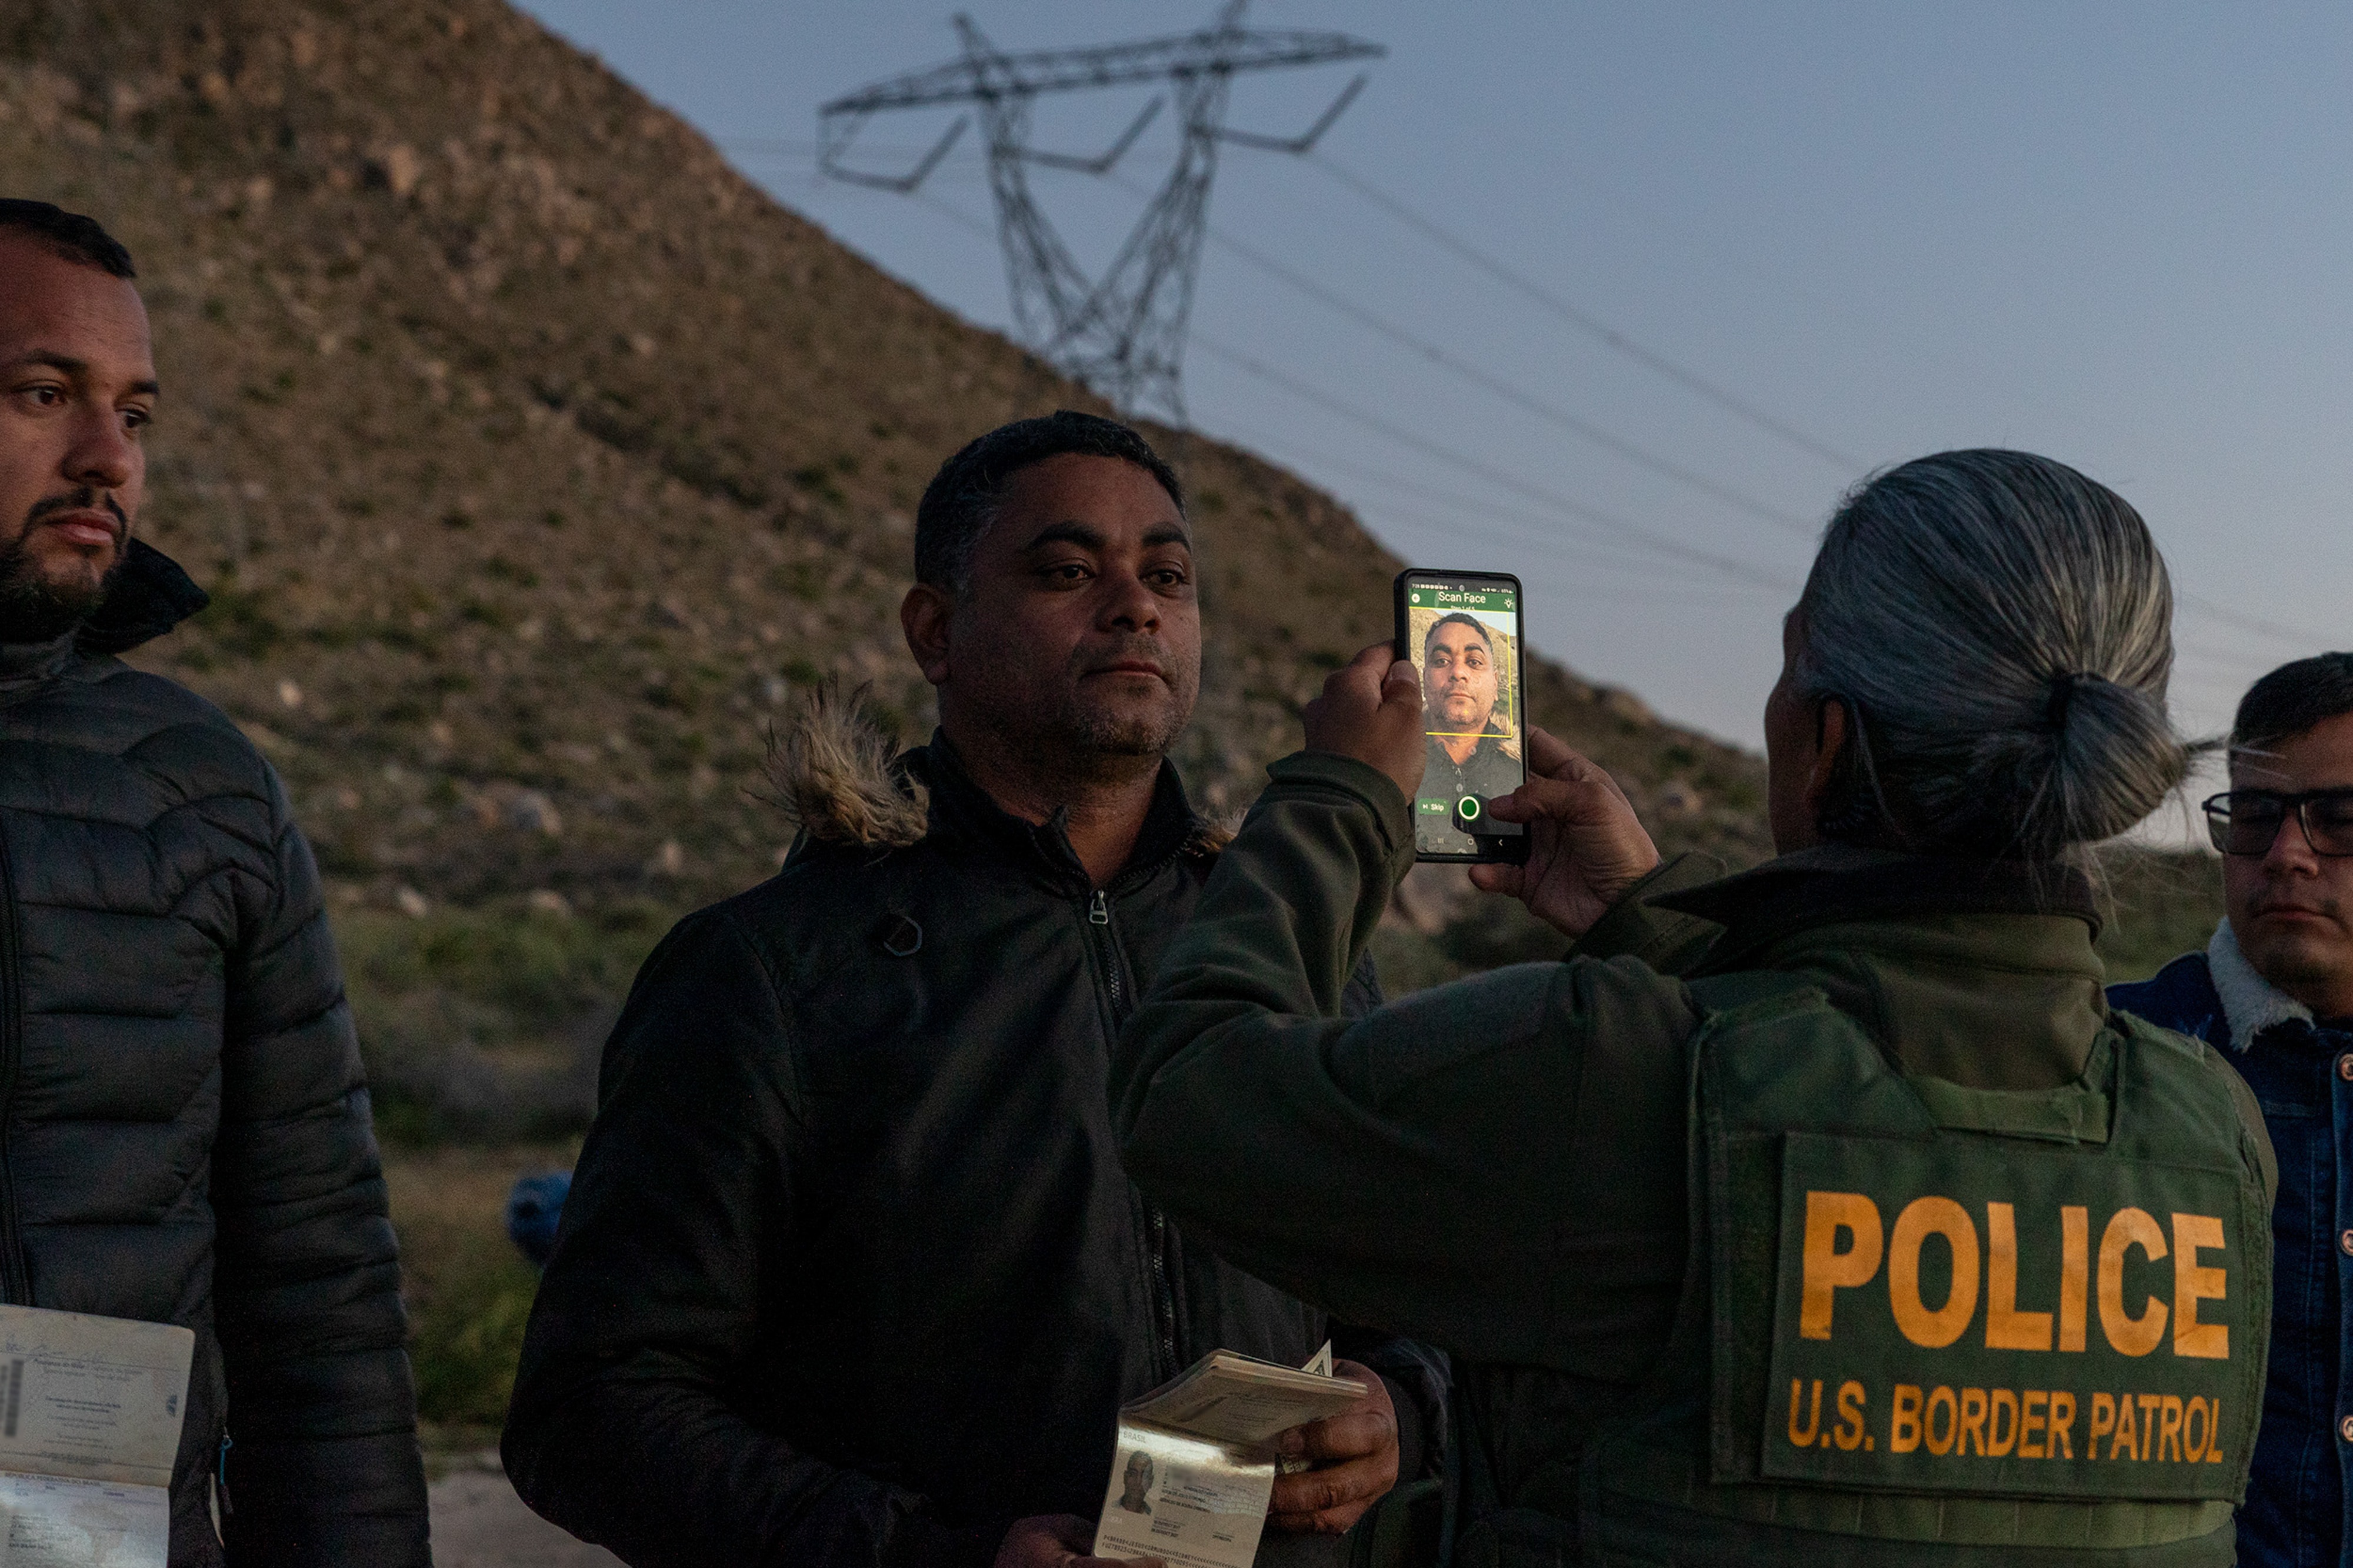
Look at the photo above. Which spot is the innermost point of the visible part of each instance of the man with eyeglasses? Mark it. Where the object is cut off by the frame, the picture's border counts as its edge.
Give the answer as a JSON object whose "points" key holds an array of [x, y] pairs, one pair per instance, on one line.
{"points": [[2273, 992]]}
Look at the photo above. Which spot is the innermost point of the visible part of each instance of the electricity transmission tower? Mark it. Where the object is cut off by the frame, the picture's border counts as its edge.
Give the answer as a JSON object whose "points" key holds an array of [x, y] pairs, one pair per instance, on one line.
{"points": [[1123, 333]]}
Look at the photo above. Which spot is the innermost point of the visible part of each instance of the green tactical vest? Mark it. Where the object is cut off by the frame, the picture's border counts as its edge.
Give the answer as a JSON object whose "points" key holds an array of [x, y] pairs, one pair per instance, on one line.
{"points": [[1923, 1324]]}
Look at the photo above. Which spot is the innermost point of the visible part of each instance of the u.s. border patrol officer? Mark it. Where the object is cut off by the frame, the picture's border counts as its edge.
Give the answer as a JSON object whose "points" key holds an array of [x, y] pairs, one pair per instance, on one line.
{"points": [[1818, 1214]]}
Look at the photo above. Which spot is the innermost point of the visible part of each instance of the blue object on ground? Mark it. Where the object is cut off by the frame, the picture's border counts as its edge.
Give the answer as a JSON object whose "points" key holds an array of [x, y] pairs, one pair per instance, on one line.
{"points": [[533, 1208]]}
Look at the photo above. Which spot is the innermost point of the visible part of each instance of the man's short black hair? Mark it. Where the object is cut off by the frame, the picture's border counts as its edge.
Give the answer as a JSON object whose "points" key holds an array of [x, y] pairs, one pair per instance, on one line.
{"points": [[962, 499], [71, 235], [1460, 619], [2293, 699]]}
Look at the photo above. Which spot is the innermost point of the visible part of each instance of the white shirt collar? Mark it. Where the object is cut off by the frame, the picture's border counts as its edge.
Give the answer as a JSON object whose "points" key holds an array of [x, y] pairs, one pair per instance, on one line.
{"points": [[2251, 1004]]}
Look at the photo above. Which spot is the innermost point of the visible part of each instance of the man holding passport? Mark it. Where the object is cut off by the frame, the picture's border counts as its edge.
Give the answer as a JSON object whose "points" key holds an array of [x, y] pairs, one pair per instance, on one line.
{"points": [[850, 1273], [185, 1135]]}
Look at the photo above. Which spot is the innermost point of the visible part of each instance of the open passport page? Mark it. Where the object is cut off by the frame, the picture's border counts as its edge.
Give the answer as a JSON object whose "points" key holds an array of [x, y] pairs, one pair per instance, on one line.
{"points": [[90, 1422], [1196, 1463]]}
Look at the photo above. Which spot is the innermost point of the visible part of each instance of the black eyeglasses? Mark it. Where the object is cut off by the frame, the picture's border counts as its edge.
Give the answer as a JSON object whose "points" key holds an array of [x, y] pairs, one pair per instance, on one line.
{"points": [[2246, 821]]}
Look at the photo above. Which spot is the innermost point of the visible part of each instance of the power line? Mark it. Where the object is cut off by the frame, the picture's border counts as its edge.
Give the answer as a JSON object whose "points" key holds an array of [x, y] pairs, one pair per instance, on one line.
{"points": [[1642, 457], [2206, 679], [1398, 434], [1632, 452], [1577, 317], [2309, 641], [963, 220], [1738, 570], [2194, 602], [2221, 657], [1584, 321], [1583, 566], [1639, 456], [1534, 529]]}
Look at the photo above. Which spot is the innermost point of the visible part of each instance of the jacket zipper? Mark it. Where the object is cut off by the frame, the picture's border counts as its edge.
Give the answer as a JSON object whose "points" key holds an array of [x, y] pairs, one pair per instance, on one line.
{"points": [[16, 1277], [1163, 1300], [1099, 916]]}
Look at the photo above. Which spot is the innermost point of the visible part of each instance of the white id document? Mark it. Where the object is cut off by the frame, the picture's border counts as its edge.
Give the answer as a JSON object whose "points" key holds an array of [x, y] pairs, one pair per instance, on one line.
{"points": [[89, 1424], [1196, 1464]]}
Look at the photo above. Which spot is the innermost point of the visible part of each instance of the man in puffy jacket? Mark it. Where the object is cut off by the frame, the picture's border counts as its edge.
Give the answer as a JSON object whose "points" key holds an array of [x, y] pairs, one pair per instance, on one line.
{"points": [[183, 1129], [850, 1273], [2272, 993]]}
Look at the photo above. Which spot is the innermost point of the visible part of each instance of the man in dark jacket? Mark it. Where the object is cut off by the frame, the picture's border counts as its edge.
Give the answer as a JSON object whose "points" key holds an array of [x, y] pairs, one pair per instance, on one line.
{"points": [[2274, 992], [849, 1272], [183, 1129]]}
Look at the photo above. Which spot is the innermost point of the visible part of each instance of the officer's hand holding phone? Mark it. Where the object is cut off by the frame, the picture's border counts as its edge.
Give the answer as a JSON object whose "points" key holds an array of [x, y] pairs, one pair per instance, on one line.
{"points": [[1586, 846], [1371, 711]]}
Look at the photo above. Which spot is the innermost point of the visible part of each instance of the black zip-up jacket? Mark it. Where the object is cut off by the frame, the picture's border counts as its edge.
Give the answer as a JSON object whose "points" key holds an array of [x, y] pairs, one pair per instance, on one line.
{"points": [[184, 1134], [850, 1273]]}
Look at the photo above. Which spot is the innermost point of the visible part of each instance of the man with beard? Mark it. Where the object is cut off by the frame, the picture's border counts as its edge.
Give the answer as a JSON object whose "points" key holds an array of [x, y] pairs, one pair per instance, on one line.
{"points": [[2274, 992], [183, 1129], [1467, 753], [850, 1273]]}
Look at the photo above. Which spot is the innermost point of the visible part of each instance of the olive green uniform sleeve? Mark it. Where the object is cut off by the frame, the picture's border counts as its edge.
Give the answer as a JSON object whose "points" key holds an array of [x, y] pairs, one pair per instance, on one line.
{"points": [[1495, 1165], [1664, 940]]}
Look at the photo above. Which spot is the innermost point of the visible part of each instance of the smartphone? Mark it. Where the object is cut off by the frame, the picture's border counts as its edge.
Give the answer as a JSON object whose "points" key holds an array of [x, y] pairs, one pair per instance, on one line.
{"points": [[1462, 630]]}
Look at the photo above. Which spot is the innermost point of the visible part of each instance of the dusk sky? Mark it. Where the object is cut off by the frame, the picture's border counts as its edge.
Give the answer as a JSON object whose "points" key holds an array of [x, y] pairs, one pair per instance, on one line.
{"points": [[2113, 234]]}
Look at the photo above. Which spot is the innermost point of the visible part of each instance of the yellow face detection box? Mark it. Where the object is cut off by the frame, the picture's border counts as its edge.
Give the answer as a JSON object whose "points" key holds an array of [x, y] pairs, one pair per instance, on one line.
{"points": [[2041, 1324]]}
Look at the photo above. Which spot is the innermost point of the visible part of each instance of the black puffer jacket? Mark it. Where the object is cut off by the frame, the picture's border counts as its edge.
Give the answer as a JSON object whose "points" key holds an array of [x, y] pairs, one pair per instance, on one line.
{"points": [[849, 1274], [183, 1129]]}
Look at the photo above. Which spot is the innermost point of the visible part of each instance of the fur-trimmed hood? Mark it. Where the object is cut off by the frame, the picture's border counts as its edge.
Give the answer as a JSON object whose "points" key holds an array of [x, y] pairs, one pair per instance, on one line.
{"points": [[836, 775], [840, 778]]}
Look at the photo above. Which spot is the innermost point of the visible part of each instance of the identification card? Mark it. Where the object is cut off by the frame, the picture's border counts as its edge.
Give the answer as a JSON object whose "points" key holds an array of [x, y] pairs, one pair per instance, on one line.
{"points": [[91, 1410], [1196, 1464]]}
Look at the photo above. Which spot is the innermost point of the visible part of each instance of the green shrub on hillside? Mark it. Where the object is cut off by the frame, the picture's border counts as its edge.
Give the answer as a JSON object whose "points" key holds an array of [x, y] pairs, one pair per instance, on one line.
{"points": [[484, 1024], [466, 1340], [2160, 905], [468, 1291]]}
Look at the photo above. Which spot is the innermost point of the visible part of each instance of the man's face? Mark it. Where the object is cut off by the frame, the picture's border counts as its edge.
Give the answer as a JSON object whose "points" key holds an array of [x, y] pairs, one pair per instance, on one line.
{"points": [[1079, 634], [1458, 679], [2292, 910], [77, 386]]}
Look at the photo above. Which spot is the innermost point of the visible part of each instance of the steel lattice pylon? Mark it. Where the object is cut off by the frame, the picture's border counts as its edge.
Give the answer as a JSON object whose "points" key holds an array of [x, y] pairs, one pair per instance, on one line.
{"points": [[1123, 333]]}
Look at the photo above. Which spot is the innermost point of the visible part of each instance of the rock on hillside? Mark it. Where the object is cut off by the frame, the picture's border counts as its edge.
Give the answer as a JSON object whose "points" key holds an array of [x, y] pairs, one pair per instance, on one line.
{"points": [[531, 454]]}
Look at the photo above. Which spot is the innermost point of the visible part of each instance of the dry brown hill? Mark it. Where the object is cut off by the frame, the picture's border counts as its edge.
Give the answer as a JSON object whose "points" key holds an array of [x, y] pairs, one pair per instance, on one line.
{"points": [[531, 454]]}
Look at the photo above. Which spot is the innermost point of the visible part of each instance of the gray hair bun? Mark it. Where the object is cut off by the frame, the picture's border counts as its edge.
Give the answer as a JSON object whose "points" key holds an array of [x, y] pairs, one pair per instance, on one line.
{"points": [[2003, 625]]}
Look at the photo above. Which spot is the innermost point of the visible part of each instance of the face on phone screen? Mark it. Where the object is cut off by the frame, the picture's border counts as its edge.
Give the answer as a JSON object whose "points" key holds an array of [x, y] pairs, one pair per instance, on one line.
{"points": [[1462, 634]]}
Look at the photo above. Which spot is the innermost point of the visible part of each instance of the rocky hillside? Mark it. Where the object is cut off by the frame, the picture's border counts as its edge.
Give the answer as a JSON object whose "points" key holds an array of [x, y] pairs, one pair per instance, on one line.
{"points": [[533, 456]]}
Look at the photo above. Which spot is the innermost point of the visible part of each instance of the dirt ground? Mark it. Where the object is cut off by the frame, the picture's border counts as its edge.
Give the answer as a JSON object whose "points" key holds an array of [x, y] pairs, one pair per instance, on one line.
{"points": [[478, 1522]]}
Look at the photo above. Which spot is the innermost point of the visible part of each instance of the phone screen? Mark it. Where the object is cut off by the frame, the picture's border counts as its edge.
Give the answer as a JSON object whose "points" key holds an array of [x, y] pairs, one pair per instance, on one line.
{"points": [[1462, 630]]}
